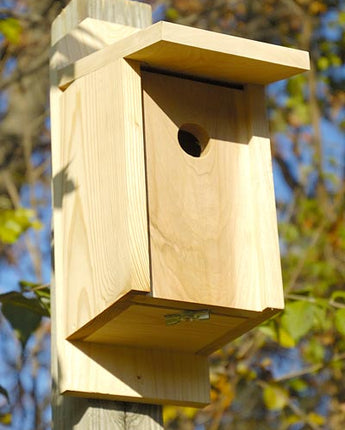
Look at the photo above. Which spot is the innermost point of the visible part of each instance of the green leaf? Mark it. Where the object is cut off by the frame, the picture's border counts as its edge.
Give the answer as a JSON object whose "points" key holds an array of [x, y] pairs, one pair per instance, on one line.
{"points": [[298, 318], [323, 63], [339, 321], [314, 351], [275, 397], [269, 331], [289, 232], [42, 293], [320, 314], [18, 299], [23, 321], [23, 313], [298, 384], [295, 85], [339, 294]]}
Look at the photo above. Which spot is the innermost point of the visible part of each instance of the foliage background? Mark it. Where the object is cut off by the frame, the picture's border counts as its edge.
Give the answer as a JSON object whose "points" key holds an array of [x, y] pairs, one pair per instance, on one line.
{"points": [[289, 373]]}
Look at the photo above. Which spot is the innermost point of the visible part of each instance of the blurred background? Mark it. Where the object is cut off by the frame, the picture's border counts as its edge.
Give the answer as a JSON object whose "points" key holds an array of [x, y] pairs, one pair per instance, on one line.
{"points": [[286, 374]]}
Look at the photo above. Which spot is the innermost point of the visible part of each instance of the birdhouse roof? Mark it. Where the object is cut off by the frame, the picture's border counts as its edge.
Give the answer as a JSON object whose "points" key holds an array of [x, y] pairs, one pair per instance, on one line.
{"points": [[198, 53]]}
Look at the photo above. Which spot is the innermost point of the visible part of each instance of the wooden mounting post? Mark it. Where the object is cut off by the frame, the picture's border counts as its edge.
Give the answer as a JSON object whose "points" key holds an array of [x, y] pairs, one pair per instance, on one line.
{"points": [[76, 33]]}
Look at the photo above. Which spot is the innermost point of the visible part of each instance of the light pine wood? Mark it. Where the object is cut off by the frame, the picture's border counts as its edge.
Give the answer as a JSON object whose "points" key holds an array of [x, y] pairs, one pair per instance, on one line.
{"points": [[83, 414], [145, 326], [146, 417], [105, 219], [197, 52], [68, 412], [205, 213], [266, 231], [138, 375], [144, 230], [145, 320], [123, 12], [89, 36]]}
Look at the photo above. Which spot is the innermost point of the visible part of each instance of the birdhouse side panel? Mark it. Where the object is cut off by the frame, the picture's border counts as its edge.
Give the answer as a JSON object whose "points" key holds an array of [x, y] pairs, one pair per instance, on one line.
{"points": [[104, 197], [267, 242]]}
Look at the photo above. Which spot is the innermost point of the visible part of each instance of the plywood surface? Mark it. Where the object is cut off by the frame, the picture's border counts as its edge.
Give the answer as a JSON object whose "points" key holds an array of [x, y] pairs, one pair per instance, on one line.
{"points": [[205, 212], [198, 53]]}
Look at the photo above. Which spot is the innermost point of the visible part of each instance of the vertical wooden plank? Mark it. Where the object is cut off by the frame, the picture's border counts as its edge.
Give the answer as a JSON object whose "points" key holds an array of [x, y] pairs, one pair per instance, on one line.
{"points": [[124, 12], [202, 216], [265, 219], [146, 417], [71, 413], [83, 414], [104, 221]]}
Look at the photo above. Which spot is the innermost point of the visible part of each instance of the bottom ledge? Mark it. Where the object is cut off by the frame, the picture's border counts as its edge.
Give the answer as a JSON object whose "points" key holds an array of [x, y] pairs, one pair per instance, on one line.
{"points": [[142, 321], [135, 374]]}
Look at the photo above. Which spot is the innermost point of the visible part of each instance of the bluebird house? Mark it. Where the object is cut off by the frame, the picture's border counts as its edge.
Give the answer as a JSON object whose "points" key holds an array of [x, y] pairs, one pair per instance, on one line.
{"points": [[166, 244]]}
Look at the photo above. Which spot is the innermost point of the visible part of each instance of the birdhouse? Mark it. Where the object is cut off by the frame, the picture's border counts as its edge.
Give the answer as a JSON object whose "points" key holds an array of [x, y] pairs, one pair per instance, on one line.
{"points": [[166, 236]]}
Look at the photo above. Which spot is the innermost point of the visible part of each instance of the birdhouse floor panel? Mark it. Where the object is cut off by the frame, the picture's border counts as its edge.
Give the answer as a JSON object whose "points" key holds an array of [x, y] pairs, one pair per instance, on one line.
{"points": [[144, 322], [147, 327]]}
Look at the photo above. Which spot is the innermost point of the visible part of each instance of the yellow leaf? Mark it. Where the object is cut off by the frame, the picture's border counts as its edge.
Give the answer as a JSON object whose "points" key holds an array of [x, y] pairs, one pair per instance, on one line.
{"points": [[6, 419], [285, 339], [316, 418], [275, 397], [189, 412], [169, 413], [11, 29], [36, 225], [172, 14], [292, 419]]}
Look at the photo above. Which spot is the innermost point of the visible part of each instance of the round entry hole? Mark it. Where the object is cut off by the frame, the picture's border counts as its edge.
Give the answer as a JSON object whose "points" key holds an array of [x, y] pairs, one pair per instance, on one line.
{"points": [[193, 139]]}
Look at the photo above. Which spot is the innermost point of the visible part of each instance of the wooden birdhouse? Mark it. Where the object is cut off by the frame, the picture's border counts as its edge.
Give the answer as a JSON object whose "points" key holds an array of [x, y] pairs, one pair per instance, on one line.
{"points": [[166, 244]]}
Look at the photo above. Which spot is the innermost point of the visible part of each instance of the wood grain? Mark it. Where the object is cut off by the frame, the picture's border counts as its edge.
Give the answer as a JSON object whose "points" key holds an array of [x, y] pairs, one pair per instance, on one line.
{"points": [[266, 230], [83, 414], [143, 229], [75, 413], [87, 37], [105, 221], [197, 52], [141, 375], [205, 212], [145, 326], [123, 12]]}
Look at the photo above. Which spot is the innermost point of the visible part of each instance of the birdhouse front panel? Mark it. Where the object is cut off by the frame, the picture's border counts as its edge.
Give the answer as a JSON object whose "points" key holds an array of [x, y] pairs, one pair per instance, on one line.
{"points": [[202, 183]]}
